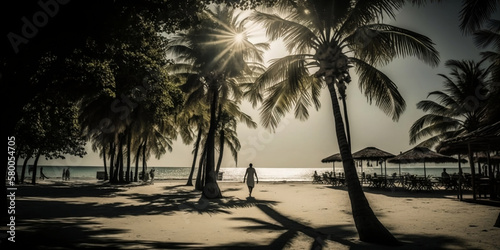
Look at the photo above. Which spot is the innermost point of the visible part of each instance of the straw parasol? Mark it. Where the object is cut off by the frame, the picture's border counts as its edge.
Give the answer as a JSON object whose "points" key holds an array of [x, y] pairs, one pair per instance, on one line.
{"points": [[421, 154], [373, 154], [332, 158]]}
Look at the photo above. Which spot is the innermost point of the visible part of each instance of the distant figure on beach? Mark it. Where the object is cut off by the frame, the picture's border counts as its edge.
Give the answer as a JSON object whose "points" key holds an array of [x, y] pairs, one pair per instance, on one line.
{"points": [[42, 175], [250, 181], [64, 174], [444, 174], [315, 174], [152, 174]]}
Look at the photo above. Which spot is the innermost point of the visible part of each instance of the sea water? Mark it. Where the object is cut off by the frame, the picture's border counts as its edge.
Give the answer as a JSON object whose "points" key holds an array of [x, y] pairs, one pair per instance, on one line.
{"points": [[264, 173]]}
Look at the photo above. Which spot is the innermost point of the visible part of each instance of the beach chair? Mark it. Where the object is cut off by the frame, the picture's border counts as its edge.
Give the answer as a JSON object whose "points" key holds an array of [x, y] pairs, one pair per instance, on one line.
{"points": [[317, 179], [326, 179]]}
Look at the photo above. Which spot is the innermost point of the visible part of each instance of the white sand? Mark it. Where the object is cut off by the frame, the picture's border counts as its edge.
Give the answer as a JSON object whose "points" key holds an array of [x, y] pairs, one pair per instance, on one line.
{"points": [[168, 215]]}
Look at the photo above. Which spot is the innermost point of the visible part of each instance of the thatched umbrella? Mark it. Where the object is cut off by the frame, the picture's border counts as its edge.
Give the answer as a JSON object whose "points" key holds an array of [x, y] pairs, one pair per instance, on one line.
{"points": [[332, 158], [373, 154], [421, 154]]}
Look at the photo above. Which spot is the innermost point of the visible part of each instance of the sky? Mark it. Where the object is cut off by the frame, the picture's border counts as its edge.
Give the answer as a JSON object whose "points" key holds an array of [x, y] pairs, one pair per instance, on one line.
{"points": [[304, 143]]}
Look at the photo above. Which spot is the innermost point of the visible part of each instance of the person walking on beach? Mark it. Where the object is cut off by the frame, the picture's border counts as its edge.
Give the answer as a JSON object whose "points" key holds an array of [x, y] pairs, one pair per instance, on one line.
{"points": [[152, 175], [250, 181], [42, 175]]}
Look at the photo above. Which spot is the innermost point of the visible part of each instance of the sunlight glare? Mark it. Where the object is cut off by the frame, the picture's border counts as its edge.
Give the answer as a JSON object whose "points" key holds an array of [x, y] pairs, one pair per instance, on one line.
{"points": [[239, 37]]}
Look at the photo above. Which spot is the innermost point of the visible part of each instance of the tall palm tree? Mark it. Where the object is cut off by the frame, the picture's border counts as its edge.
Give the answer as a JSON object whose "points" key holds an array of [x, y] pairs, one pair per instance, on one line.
{"points": [[215, 55], [328, 38], [459, 108]]}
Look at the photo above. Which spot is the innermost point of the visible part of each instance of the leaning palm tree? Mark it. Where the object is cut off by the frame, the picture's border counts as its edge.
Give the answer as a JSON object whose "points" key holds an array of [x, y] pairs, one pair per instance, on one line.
{"points": [[325, 39], [215, 54], [459, 108]]}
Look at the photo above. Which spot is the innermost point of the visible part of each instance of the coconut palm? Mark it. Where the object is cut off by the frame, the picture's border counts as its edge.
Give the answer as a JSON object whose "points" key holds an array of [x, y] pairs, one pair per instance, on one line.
{"points": [[328, 38], [228, 118], [215, 55], [459, 108]]}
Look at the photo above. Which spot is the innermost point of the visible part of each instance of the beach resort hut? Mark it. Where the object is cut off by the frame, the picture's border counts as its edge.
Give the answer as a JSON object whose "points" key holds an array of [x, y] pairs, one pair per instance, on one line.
{"points": [[485, 139], [332, 158], [421, 155], [373, 154]]}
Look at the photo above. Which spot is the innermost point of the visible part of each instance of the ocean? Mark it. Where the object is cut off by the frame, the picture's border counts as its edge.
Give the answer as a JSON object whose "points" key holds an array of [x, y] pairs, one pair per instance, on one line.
{"points": [[264, 174]]}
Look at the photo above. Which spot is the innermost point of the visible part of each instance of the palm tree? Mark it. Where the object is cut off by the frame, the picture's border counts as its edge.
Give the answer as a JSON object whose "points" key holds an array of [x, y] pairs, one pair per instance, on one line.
{"points": [[330, 37], [215, 55], [192, 122], [228, 118], [459, 108]]}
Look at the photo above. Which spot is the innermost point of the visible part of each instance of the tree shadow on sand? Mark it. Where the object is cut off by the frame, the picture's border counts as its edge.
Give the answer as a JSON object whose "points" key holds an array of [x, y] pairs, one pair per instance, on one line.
{"points": [[46, 223], [325, 237]]}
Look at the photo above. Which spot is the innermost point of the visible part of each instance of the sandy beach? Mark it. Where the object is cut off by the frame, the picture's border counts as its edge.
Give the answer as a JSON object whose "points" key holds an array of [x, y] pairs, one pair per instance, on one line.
{"points": [[280, 215]]}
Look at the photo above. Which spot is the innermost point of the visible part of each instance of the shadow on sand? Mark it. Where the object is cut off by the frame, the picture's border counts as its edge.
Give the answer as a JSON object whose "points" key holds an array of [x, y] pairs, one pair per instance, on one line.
{"points": [[46, 223]]}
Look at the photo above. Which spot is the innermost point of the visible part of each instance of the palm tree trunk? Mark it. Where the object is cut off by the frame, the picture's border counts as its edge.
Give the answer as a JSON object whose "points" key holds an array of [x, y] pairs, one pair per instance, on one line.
{"points": [[221, 149], [200, 180], [211, 189], [348, 130], [111, 161], [369, 228], [104, 163], [33, 178], [137, 158], [196, 148], [144, 166], [23, 171], [129, 154], [119, 158]]}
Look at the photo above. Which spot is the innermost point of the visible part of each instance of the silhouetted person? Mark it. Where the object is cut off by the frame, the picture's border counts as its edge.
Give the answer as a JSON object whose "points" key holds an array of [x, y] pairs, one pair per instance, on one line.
{"points": [[250, 180], [42, 175], [152, 174], [445, 175]]}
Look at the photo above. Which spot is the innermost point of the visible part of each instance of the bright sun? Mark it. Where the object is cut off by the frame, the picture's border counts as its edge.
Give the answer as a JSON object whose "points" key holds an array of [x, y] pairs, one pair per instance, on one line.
{"points": [[238, 38]]}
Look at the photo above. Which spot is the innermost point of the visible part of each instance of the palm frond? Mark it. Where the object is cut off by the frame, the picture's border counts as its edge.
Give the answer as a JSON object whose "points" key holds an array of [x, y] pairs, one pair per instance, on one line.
{"points": [[381, 43], [433, 107], [290, 67], [475, 13], [296, 36], [430, 125], [485, 38], [364, 12], [445, 99], [377, 86]]}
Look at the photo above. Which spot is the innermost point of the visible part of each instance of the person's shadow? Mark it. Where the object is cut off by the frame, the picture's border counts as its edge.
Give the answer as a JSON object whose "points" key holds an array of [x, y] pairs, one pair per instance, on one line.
{"points": [[251, 199]]}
